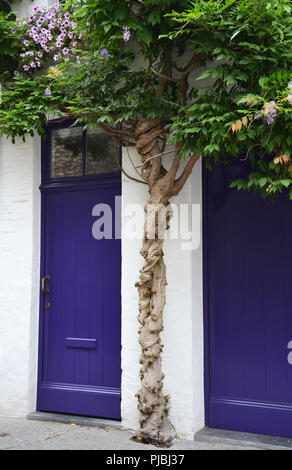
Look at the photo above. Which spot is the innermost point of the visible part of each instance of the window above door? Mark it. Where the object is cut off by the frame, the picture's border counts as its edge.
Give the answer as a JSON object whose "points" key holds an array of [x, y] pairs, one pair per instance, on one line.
{"points": [[72, 152]]}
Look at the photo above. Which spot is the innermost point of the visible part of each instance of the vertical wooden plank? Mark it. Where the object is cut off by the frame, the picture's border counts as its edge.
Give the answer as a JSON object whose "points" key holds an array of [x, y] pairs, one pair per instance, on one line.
{"points": [[235, 321], [53, 323], [273, 321], [69, 287], [82, 207], [252, 287], [216, 263], [96, 301], [112, 306], [287, 291]]}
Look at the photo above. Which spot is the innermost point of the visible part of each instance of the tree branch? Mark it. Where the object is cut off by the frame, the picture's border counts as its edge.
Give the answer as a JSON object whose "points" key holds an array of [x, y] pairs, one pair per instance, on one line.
{"points": [[119, 133], [183, 82], [122, 169], [135, 168], [192, 64], [155, 156], [165, 77], [155, 167], [179, 183], [170, 177]]}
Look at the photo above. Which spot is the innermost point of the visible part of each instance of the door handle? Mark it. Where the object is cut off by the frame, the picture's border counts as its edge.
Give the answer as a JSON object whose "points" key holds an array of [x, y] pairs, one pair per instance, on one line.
{"points": [[44, 279]]}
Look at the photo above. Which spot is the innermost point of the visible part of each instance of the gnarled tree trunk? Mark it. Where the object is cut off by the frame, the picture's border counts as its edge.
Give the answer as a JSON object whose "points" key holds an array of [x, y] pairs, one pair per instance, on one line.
{"points": [[152, 404], [155, 426]]}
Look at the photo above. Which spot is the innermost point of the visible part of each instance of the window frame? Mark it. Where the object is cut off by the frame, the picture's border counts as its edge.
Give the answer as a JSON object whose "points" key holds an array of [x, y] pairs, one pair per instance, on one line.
{"points": [[47, 156]]}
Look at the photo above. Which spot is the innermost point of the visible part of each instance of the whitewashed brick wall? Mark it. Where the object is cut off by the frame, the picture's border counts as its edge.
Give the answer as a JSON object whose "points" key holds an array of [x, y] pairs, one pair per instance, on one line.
{"points": [[19, 270]]}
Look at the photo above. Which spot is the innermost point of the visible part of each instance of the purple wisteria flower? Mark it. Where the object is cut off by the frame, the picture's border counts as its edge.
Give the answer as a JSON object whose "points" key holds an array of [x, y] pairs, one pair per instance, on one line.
{"points": [[270, 111], [49, 34], [126, 33], [48, 92], [104, 53]]}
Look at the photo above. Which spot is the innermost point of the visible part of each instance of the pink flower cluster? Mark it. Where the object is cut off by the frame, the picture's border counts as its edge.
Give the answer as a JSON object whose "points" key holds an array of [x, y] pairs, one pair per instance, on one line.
{"points": [[47, 33]]}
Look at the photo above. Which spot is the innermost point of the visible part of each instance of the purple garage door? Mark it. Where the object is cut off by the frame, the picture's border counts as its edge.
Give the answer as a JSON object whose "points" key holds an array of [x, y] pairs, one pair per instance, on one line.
{"points": [[80, 317], [248, 307]]}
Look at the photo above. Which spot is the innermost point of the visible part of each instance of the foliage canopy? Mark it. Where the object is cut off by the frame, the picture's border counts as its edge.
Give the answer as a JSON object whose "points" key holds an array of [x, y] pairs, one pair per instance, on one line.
{"points": [[217, 74]]}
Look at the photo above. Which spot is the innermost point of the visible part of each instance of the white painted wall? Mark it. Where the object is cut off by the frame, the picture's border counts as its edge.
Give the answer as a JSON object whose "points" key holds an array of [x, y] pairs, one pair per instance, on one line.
{"points": [[183, 330], [20, 177], [197, 309], [24, 7], [19, 273]]}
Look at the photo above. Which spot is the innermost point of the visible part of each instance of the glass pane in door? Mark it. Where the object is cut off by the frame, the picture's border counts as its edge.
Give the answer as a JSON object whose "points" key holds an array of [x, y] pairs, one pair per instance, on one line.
{"points": [[101, 152], [66, 159]]}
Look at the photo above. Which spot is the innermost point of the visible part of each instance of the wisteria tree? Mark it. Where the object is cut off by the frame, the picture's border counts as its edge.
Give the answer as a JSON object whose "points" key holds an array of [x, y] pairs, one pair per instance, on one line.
{"points": [[136, 69]]}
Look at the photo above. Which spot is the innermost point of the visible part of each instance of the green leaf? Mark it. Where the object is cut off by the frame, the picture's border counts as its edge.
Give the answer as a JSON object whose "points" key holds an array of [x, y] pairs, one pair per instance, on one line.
{"points": [[154, 17], [145, 36], [235, 183], [205, 74], [235, 34], [285, 182], [192, 130], [263, 81]]}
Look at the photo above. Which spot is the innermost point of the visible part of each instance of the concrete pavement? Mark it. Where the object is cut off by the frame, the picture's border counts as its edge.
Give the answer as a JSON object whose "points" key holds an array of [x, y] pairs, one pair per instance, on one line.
{"points": [[24, 434]]}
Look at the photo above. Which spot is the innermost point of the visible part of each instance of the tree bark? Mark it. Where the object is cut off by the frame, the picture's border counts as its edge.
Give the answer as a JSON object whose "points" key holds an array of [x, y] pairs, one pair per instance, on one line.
{"points": [[155, 426], [153, 405]]}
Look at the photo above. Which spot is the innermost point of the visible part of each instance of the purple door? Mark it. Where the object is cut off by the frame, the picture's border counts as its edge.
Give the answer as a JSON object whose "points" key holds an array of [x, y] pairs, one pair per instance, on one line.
{"points": [[248, 307], [80, 315]]}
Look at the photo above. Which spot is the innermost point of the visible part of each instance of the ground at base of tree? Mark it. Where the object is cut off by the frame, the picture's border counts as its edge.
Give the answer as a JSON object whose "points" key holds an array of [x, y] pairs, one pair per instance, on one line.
{"points": [[24, 434]]}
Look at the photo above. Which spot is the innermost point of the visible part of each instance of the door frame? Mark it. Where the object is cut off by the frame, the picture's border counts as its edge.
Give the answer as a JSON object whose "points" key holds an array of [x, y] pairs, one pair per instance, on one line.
{"points": [[76, 183]]}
